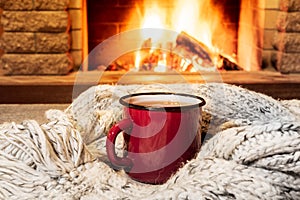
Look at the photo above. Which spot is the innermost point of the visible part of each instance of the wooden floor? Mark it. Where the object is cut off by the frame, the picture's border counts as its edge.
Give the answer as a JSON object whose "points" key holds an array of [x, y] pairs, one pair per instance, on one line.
{"points": [[62, 89], [19, 112]]}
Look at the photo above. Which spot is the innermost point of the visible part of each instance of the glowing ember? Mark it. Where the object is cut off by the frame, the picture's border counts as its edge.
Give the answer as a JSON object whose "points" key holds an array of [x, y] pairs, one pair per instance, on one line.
{"points": [[137, 60], [162, 63]]}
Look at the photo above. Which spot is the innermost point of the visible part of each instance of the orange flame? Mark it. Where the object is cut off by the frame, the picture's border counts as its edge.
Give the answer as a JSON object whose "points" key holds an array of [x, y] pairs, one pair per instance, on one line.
{"points": [[137, 60], [153, 18], [197, 18]]}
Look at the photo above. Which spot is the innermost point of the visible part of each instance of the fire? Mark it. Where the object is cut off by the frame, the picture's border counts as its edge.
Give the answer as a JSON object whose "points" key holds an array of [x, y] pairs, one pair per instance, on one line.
{"points": [[194, 17], [162, 63], [137, 60], [185, 19], [153, 18]]}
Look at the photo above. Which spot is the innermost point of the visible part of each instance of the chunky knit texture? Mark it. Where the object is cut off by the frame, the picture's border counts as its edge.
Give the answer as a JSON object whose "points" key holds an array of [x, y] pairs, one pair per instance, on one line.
{"points": [[251, 149]]}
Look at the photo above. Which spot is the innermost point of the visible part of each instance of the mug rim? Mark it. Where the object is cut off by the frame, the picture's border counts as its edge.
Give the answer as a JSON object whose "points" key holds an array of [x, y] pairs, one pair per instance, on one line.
{"points": [[162, 108]]}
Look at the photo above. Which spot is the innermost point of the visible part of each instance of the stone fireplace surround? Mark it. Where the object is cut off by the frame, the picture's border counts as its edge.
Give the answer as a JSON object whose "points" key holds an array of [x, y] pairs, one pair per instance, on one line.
{"points": [[46, 36]]}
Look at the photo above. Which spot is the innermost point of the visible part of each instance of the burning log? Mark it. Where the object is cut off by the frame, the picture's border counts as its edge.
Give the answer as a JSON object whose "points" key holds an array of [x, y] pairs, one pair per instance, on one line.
{"points": [[189, 55], [153, 57], [194, 50], [202, 57], [228, 63]]}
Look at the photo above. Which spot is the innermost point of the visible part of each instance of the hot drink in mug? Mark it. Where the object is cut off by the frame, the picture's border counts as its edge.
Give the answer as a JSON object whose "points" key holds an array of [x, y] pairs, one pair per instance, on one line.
{"points": [[161, 132]]}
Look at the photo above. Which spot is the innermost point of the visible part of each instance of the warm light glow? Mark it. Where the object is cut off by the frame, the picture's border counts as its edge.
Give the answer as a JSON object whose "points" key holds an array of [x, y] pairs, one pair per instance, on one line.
{"points": [[137, 60], [197, 18], [153, 18], [162, 64]]}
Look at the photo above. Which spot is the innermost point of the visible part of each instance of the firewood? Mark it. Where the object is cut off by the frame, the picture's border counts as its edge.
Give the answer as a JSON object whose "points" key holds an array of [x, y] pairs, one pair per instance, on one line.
{"points": [[192, 49], [228, 63]]}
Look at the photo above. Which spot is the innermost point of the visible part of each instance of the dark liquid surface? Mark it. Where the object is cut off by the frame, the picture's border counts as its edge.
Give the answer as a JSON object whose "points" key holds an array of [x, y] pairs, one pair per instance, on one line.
{"points": [[160, 104]]}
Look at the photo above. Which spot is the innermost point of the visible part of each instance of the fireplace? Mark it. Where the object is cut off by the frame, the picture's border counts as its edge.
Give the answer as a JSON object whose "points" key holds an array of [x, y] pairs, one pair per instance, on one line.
{"points": [[53, 37], [204, 30], [258, 33]]}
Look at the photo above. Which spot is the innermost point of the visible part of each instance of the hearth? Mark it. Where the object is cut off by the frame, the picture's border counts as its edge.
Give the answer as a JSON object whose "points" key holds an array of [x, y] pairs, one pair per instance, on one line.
{"points": [[38, 34], [54, 37], [257, 34]]}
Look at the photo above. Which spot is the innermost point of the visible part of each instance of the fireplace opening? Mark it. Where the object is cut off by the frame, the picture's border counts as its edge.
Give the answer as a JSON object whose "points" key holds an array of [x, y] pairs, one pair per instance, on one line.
{"points": [[43, 38], [207, 37], [254, 35]]}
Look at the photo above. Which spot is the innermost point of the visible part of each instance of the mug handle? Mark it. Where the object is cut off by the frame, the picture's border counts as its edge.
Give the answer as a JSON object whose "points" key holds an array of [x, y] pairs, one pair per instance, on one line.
{"points": [[125, 163]]}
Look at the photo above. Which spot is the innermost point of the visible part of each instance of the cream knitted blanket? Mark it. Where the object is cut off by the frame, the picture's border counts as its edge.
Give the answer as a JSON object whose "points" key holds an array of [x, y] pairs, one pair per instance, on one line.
{"points": [[251, 150]]}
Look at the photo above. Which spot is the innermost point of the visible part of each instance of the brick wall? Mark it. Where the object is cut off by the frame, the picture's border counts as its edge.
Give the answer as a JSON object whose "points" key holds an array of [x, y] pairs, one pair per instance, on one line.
{"points": [[269, 35], [35, 37], [286, 57], [46, 36], [75, 10], [108, 18], [34, 47], [269, 29]]}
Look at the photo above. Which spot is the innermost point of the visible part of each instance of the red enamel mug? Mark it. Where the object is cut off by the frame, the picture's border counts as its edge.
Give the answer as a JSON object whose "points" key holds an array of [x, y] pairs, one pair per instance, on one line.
{"points": [[161, 132]]}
